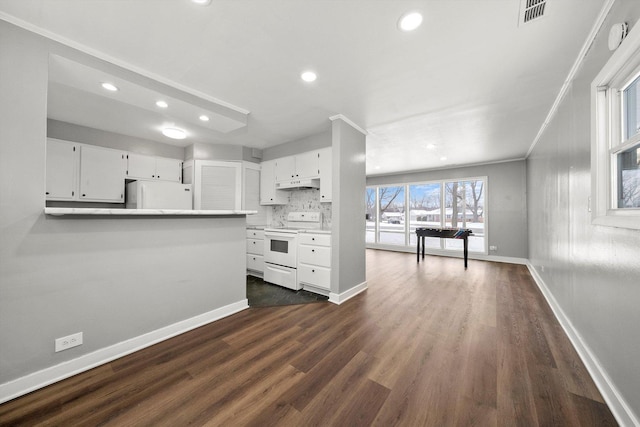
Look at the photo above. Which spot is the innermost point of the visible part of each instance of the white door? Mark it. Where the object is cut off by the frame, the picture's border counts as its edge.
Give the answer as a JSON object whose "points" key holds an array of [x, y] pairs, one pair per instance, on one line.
{"points": [[62, 170], [168, 169], [217, 185], [140, 166], [102, 174]]}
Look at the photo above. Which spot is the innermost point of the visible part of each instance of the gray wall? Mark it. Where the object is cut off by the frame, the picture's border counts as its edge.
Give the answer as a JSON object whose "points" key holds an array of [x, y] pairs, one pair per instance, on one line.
{"points": [[592, 271], [86, 135], [348, 207], [506, 200], [113, 279], [312, 142]]}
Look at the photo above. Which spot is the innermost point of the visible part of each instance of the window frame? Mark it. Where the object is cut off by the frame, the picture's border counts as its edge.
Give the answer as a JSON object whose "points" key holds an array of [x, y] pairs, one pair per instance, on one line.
{"points": [[607, 130], [376, 244]]}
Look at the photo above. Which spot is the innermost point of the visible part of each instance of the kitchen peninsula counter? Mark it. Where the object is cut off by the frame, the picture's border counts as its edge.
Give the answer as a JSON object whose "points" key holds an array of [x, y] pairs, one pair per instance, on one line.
{"points": [[144, 212]]}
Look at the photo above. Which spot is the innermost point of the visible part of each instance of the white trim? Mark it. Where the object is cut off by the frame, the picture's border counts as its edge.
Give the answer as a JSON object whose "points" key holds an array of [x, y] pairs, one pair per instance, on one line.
{"points": [[348, 294], [349, 122], [597, 26], [621, 410], [457, 254], [449, 167], [20, 386], [108, 58]]}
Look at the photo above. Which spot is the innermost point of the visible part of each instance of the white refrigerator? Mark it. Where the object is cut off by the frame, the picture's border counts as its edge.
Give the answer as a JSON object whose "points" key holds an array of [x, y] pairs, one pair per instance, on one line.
{"points": [[158, 195]]}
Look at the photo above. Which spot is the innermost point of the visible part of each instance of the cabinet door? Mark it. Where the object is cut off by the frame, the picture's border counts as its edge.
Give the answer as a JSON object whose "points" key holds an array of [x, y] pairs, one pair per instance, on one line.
{"points": [[285, 168], [307, 165], [102, 174], [140, 166], [168, 169], [217, 185], [268, 193], [62, 170], [326, 177]]}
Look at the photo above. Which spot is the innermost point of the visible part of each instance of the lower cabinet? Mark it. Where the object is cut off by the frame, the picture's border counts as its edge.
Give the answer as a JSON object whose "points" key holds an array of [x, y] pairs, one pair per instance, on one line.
{"points": [[314, 262], [255, 251]]}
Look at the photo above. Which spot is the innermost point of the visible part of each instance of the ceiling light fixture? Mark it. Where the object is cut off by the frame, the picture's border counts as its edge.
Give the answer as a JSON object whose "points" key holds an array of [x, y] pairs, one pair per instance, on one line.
{"points": [[109, 86], [443, 158], [410, 21], [174, 133], [162, 104], [204, 118], [308, 76], [202, 2]]}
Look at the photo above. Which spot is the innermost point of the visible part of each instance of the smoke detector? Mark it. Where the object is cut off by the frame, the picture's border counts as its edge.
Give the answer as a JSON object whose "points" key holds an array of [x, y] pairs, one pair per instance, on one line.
{"points": [[531, 10]]}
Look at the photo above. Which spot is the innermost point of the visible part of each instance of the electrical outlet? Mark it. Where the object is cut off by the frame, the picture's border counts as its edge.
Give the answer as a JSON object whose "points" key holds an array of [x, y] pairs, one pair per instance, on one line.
{"points": [[493, 248], [69, 341]]}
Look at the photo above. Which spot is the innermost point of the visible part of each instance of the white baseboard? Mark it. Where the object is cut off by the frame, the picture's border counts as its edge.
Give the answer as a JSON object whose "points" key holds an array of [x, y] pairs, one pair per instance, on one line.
{"points": [[617, 404], [340, 298], [20, 386], [451, 254]]}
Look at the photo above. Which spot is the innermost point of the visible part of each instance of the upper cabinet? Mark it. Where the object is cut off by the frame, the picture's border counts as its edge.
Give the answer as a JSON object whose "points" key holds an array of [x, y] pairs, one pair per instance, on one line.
{"points": [[326, 171], [102, 174], [140, 166], [268, 193], [305, 165], [62, 170]]}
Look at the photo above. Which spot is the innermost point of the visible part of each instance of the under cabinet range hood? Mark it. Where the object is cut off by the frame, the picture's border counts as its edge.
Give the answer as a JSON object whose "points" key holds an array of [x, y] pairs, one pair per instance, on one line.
{"points": [[298, 184]]}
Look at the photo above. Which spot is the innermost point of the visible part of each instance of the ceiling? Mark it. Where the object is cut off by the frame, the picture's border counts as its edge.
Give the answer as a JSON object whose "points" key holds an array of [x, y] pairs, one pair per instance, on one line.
{"points": [[471, 85]]}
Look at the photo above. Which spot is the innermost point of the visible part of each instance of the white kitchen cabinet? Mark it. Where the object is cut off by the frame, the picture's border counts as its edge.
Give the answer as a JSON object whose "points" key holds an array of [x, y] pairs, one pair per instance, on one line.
{"points": [[102, 174], [62, 170], [326, 177], [268, 193], [255, 252], [140, 166], [251, 186], [300, 166], [217, 185], [314, 262]]}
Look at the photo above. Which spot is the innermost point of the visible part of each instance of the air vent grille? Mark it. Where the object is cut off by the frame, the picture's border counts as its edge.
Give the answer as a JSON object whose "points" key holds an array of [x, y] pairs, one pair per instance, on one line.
{"points": [[531, 9]]}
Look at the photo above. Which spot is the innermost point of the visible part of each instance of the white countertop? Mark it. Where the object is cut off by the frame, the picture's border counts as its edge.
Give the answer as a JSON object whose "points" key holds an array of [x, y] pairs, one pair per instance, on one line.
{"points": [[152, 212], [317, 231]]}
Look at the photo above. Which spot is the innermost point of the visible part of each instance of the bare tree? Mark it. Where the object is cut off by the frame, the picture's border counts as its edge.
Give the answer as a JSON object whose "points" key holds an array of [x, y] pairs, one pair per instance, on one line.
{"points": [[390, 194], [475, 195]]}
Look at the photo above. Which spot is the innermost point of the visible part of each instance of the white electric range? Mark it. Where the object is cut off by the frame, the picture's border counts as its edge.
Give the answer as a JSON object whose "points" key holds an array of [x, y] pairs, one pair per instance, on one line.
{"points": [[281, 248]]}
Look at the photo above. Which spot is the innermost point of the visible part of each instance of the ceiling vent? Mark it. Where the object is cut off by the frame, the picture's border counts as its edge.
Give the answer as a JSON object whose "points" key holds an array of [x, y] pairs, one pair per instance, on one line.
{"points": [[531, 10]]}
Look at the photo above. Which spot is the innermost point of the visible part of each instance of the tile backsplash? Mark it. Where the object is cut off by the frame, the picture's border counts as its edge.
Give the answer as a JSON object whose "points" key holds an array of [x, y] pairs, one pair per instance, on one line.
{"points": [[302, 201]]}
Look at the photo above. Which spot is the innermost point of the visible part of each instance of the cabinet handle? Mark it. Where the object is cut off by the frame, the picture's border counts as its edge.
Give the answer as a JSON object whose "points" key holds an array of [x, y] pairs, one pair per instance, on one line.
{"points": [[84, 195], [158, 176], [153, 176], [313, 238], [313, 250], [313, 271], [47, 193]]}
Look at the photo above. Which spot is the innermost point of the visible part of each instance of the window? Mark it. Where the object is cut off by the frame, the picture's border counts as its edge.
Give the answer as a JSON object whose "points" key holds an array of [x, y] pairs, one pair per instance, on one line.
{"points": [[394, 212], [615, 159]]}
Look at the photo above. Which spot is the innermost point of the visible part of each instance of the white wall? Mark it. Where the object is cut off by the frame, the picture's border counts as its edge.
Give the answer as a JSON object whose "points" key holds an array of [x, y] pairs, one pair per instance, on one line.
{"points": [[593, 272], [113, 279], [506, 200]]}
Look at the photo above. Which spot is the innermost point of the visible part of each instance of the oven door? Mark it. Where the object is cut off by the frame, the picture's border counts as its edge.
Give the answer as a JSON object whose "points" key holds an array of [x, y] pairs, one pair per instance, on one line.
{"points": [[281, 248]]}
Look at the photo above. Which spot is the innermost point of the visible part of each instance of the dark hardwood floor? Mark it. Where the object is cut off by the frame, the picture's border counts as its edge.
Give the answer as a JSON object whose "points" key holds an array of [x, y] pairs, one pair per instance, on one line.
{"points": [[428, 344]]}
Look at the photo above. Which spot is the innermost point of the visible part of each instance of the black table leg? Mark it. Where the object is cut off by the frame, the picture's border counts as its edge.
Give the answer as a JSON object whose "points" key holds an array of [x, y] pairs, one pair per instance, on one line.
{"points": [[418, 248], [423, 247], [466, 252]]}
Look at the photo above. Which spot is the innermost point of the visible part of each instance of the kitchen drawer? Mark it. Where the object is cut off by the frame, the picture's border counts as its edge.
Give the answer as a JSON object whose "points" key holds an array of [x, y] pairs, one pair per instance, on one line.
{"points": [[255, 246], [255, 234], [255, 262], [282, 276], [317, 276], [315, 239], [316, 255]]}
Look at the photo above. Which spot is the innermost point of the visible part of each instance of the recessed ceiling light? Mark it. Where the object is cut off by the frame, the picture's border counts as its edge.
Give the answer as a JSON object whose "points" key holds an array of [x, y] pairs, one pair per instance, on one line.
{"points": [[308, 76], [204, 118], [174, 133], [443, 158], [431, 146], [162, 104], [202, 2], [109, 86], [410, 21]]}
